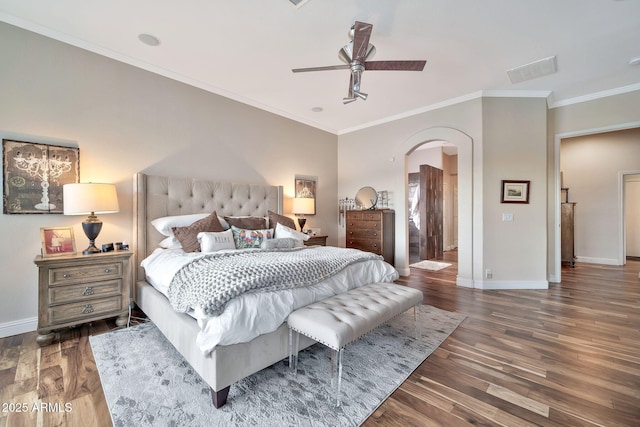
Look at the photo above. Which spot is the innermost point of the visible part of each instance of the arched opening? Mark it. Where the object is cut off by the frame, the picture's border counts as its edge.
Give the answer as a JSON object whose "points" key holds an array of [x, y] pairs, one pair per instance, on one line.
{"points": [[469, 237]]}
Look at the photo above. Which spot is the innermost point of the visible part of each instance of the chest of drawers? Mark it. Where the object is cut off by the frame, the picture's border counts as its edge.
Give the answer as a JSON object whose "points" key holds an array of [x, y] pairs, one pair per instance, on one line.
{"points": [[81, 288], [372, 231]]}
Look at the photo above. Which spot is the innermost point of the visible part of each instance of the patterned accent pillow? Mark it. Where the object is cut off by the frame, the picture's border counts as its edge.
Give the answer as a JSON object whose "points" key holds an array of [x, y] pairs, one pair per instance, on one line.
{"points": [[247, 222], [188, 236], [244, 238], [275, 219]]}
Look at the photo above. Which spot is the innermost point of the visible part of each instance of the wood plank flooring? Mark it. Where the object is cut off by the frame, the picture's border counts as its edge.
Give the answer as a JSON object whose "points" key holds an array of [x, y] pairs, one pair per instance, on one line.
{"points": [[567, 356]]}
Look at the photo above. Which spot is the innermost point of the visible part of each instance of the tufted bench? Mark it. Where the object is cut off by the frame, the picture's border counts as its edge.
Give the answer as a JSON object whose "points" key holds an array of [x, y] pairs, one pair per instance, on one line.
{"points": [[342, 319]]}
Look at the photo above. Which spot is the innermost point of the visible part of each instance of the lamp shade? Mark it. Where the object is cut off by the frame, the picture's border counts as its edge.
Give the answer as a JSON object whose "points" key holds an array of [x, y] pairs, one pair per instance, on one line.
{"points": [[87, 198], [304, 206]]}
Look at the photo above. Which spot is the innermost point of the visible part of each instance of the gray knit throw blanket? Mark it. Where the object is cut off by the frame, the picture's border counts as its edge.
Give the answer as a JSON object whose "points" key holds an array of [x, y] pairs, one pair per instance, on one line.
{"points": [[210, 282]]}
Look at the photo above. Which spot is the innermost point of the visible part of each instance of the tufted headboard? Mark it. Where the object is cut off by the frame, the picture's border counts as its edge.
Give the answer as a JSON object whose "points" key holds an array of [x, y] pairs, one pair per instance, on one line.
{"points": [[160, 196]]}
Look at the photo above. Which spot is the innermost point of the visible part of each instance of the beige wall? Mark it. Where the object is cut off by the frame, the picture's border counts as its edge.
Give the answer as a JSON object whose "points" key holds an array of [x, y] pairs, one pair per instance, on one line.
{"points": [[125, 120]]}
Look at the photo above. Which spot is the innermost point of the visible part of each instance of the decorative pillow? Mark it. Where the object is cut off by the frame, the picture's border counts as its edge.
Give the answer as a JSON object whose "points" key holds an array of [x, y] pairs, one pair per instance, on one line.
{"points": [[216, 241], [245, 238], [275, 219], [188, 236], [282, 243], [165, 224], [247, 222], [170, 243], [284, 231]]}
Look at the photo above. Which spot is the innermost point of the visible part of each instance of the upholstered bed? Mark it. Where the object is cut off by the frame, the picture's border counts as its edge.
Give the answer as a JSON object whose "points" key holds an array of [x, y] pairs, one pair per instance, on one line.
{"points": [[160, 196]]}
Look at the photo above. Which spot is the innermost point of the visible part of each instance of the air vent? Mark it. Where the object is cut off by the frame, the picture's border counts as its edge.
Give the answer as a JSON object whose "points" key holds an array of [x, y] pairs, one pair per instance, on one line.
{"points": [[542, 67], [298, 3]]}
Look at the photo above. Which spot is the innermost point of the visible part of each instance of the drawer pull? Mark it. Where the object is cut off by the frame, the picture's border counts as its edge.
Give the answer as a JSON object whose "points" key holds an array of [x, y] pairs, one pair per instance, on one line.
{"points": [[107, 270], [88, 308], [66, 275], [87, 291]]}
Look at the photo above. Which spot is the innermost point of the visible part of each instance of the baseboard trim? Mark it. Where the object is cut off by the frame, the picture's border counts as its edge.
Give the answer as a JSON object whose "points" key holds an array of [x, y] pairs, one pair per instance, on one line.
{"points": [[464, 283], [510, 284], [18, 327], [591, 260]]}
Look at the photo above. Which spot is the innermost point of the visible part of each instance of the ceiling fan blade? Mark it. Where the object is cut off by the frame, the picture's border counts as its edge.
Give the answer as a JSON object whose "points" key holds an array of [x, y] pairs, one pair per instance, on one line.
{"points": [[329, 67], [361, 35], [395, 65]]}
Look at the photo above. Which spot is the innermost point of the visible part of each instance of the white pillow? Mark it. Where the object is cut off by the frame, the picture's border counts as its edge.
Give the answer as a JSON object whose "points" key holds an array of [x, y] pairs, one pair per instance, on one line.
{"points": [[281, 243], [216, 241], [170, 242], [165, 224], [284, 231]]}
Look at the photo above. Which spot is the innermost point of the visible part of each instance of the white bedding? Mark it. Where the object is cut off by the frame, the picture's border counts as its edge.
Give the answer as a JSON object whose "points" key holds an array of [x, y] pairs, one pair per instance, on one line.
{"points": [[253, 314]]}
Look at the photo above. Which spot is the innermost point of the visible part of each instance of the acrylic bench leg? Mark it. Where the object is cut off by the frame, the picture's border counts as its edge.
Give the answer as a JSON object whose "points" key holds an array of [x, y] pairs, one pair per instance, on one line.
{"points": [[336, 385], [416, 314], [294, 344]]}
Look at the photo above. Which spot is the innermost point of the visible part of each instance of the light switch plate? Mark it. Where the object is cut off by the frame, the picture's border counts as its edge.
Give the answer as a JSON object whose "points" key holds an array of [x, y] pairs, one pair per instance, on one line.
{"points": [[507, 217]]}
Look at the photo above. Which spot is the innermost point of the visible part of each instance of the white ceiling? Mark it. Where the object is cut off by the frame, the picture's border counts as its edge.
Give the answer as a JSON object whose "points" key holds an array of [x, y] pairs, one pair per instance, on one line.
{"points": [[245, 50]]}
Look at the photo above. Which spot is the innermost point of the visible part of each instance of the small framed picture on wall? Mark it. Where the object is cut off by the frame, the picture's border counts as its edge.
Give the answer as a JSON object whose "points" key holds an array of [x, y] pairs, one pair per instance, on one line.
{"points": [[515, 191]]}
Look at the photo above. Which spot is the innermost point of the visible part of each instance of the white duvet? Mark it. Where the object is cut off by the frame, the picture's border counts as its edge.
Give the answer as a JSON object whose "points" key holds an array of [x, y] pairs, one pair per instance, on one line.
{"points": [[253, 314]]}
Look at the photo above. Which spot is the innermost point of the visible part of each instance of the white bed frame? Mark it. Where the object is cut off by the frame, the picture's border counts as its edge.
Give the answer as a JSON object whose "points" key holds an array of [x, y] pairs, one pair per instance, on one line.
{"points": [[160, 196]]}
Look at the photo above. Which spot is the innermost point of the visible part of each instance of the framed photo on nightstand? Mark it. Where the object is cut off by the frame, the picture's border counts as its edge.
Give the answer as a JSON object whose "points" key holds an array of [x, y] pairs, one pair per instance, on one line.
{"points": [[57, 241]]}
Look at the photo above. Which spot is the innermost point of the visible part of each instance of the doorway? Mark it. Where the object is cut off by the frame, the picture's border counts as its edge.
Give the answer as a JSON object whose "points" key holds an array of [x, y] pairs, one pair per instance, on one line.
{"points": [[432, 201]]}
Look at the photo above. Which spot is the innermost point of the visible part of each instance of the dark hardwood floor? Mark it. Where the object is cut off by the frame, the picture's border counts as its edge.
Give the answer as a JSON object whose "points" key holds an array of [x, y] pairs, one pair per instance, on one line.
{"points": [[567, 356]]}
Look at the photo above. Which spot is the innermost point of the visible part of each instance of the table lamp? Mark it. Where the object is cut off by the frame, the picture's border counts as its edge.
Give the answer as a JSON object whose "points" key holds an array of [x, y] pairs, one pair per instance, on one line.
{"points": [[303, 206], [90, 199]]}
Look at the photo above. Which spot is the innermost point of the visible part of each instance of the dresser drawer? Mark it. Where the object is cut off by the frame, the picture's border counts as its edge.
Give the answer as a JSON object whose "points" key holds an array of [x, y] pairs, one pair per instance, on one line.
{"points": [[363, 233], [368, 245], [79, 292], [364, 215], [74, 274], [68, 312], [363, 225]]}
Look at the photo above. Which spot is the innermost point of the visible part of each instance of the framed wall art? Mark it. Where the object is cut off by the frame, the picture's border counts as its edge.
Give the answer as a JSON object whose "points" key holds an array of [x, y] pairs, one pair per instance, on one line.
{"points": [[57, 241], [33, 175], [305, 186], [515, 191]]}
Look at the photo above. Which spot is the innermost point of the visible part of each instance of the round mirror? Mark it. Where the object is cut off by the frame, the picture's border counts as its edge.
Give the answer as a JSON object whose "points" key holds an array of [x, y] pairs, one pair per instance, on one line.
{"points": [[366, 198]]}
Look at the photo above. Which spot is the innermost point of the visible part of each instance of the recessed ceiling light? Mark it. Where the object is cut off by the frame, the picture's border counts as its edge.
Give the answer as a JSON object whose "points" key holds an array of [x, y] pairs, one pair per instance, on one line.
{"points": [[148, 39], [635, 61], [317, 109]]}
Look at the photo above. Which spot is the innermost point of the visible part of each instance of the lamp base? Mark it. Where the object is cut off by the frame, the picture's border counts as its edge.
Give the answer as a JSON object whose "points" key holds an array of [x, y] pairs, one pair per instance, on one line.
{"points": [[91, 227], [301, 223], [91, 250]]}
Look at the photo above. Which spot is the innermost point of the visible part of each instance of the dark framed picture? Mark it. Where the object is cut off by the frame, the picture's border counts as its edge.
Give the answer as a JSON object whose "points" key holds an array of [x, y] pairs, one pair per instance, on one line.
{"points": [[33, 175], [515, 191], [305, 186], [57, 241]]}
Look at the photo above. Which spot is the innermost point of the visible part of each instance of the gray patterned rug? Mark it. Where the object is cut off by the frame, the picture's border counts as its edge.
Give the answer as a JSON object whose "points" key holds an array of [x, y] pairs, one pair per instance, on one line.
{"points": [[148, 383]]}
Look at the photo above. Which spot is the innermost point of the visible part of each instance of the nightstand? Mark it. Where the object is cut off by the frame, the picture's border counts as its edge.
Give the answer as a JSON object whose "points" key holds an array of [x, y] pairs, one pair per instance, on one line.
{"points": [[316, 240], [74, 289]]}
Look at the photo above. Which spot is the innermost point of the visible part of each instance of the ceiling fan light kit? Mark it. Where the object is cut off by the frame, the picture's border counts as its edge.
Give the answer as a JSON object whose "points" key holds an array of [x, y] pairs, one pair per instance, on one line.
{"points": [[355, 55]]}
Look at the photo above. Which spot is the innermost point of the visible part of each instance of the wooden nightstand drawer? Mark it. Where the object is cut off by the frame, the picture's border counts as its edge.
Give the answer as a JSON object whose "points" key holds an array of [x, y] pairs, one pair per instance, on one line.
{"points": [[68, 312], [71, 274], [72, 293], [75, 289]]}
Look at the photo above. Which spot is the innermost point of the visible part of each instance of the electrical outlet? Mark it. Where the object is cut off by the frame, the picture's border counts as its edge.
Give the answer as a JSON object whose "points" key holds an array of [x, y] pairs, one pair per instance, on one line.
{"points": [[488, 274]]}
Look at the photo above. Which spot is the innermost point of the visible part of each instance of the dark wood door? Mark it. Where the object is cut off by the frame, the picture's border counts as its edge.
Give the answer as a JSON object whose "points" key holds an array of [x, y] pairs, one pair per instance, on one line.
{"points": [[431, 212]]}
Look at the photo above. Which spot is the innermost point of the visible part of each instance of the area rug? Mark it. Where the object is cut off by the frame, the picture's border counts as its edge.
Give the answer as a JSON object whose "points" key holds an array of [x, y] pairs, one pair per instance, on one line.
{"points": [[147, 382], [430, 265]]}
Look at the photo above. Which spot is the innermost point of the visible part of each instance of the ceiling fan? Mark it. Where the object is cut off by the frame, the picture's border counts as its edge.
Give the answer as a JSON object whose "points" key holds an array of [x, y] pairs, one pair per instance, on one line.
{"points": [[355, 55]]}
